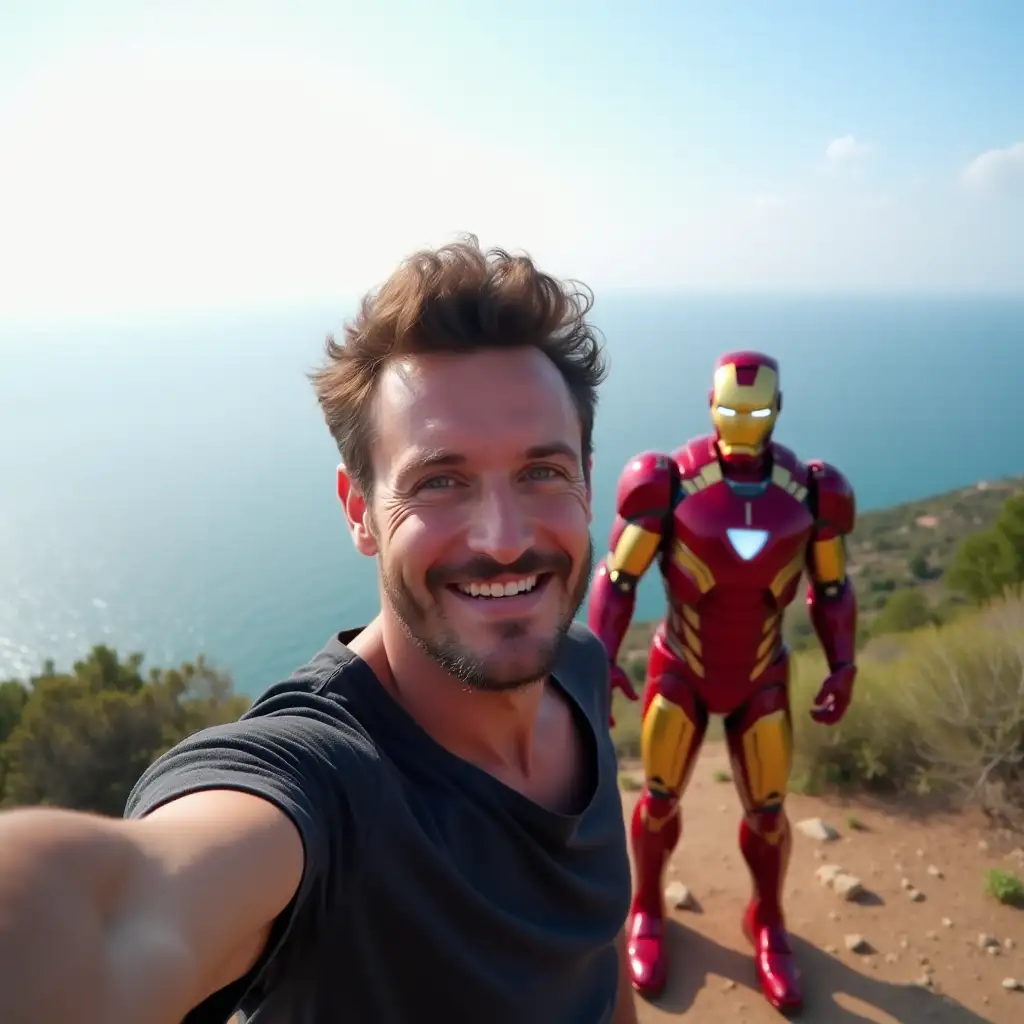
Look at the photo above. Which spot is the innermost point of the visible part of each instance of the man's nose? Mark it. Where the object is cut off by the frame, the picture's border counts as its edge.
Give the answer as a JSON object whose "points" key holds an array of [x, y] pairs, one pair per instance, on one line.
{"points": [[501, 526]]}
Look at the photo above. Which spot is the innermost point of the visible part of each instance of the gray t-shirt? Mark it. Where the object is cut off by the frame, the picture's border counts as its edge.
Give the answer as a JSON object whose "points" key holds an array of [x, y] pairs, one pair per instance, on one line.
{"points": [[431, 891]]}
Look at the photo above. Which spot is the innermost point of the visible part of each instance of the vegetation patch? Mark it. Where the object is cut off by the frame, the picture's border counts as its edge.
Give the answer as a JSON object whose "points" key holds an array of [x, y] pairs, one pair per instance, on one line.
{"points": [[1005, 887]]}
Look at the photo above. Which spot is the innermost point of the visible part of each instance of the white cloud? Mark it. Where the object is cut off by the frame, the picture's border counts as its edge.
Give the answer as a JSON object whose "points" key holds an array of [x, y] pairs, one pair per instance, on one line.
{"points": [[996, 170], [846, 150]]}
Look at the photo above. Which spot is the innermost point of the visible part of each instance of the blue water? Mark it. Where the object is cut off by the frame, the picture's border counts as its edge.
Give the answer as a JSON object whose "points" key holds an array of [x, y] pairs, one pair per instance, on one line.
{"points": [[168, 486]]}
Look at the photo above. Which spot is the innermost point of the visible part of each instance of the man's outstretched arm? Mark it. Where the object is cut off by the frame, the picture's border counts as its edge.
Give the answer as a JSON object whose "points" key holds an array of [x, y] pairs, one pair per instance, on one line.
{"points": [[138, 921]]}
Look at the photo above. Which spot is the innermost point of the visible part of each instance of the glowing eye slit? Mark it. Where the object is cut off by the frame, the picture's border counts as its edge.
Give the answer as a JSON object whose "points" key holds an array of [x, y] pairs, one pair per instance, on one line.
{"points": [[494, 591]]}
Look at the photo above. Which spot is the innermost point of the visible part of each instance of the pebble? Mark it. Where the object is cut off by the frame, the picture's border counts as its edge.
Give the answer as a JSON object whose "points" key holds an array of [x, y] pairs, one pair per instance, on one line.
{"points": [[848, 887], [828, 873], [678, 895], [916, 895], [819, 829], [857, 944]]}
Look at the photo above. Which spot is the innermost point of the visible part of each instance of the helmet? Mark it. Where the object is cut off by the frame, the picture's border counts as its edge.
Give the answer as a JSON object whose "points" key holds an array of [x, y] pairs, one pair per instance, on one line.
{"points": [[745, 402]]}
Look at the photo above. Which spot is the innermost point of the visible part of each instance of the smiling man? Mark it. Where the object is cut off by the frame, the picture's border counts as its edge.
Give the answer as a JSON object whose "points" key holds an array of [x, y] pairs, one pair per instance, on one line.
{"points": [[424, 822]]}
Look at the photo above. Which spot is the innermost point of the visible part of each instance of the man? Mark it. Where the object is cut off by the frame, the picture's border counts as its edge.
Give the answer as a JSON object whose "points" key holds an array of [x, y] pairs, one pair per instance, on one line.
{"points": [[731, 520], [423, 823]]}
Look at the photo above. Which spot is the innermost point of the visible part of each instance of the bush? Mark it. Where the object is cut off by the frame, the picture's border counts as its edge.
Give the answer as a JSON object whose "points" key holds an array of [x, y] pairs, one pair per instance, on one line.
{"points": [[942, 711], [903, 611], [990, 563], [919, 567], [1005, 887], [81, 739]]}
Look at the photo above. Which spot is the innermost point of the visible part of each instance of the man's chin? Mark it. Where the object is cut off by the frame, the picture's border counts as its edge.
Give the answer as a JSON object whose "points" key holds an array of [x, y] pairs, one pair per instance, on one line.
{"points": [[501, 664]]}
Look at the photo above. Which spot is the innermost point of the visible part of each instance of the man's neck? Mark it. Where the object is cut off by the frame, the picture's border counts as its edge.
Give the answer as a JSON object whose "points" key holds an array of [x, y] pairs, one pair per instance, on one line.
{"points": [[494, 731]]}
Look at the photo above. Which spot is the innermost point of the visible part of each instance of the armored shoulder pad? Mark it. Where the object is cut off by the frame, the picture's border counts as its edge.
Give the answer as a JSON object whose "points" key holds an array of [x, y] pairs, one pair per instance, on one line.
{"points": [[693, 456], [646, 486]]}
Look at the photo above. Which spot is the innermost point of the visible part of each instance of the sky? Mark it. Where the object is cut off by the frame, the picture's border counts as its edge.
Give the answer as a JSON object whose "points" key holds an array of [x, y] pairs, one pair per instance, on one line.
{"points": [[187, 155]]}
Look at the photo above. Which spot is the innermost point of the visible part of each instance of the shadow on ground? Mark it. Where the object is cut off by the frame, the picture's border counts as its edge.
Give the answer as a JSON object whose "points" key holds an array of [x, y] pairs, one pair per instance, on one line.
{"points": [[698, 961]]}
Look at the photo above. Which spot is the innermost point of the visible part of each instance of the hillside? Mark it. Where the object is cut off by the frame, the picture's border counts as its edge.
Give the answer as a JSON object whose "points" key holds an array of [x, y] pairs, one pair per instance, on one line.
{"points": [[907, 546]]}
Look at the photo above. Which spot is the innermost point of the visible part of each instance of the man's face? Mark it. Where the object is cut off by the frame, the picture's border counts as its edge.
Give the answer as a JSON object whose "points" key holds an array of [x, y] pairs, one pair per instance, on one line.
{"points": [[480, 515]]}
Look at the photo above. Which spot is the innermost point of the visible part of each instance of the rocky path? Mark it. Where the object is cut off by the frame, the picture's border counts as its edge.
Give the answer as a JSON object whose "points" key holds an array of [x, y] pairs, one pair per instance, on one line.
{"points": [[889, 917]]}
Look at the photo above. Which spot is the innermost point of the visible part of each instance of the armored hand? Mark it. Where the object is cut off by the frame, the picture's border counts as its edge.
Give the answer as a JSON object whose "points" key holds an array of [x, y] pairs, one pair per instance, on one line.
{"points": [[620, 681], [834, 696]]}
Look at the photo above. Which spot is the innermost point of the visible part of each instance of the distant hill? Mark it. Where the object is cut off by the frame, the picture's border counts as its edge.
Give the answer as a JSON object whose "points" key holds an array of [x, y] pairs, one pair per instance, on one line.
{"points": [[905, 546]]}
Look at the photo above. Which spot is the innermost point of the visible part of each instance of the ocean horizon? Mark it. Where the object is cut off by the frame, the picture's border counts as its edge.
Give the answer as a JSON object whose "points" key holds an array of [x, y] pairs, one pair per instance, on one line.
{"points": [[167, 482]]}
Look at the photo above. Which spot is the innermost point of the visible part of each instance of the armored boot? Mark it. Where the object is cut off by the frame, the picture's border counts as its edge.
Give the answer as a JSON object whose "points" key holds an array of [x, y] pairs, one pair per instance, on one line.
{"points": [[654, 833], [765, 843]]}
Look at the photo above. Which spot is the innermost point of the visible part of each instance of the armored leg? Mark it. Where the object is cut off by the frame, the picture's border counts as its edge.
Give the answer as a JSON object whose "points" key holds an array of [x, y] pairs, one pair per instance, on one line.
{"points": [[674, 723], [760, 746]]}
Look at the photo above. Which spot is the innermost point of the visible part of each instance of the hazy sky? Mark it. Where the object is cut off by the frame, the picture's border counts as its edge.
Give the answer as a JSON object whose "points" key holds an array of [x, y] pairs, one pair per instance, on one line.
{"points": [[181, 155]]}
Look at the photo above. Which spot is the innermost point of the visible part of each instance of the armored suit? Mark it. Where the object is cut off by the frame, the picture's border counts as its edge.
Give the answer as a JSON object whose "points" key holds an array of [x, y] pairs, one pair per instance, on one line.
{"points": [[732, 520]]}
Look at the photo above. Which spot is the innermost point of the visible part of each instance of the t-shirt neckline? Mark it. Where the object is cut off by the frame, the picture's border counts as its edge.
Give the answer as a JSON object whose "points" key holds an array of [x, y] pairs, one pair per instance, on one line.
{"points": [[360, 676]]}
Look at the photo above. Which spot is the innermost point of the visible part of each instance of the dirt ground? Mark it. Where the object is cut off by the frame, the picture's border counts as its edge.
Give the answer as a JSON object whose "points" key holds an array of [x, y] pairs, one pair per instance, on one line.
{"points": [[938, 957]]}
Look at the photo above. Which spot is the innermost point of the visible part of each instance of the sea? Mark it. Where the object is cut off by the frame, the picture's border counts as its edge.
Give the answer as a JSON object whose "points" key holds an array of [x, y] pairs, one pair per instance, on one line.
{"points": [[167, 483]]}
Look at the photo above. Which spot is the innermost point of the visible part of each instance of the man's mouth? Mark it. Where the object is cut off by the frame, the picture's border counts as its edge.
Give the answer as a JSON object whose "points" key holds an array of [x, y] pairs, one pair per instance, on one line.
{"points": [[497, 589]]}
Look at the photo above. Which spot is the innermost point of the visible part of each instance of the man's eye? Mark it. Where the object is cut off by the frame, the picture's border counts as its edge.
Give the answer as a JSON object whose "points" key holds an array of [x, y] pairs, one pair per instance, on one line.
{"points": [[437, 483], [543, 473]]}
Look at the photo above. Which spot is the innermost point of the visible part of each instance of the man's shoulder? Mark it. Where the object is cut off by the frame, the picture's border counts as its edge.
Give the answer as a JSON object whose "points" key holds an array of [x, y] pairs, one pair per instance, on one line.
{"points": [[582, 643], [320, 679], [302, 729], [583, 667]]}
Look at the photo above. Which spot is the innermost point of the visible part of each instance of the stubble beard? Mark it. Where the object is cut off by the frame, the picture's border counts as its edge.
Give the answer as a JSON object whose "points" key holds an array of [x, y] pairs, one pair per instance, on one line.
{"points": [[485, 673]]}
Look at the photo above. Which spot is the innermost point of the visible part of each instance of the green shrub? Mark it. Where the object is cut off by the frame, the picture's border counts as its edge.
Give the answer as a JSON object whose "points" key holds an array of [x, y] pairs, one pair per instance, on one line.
{"points": [[903, 611], [1005, 886], [939, 710]]}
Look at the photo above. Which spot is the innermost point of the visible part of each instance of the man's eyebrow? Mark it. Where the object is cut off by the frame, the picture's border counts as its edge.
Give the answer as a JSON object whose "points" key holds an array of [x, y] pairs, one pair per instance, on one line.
{"points": [[429, 458], [546, 451]]}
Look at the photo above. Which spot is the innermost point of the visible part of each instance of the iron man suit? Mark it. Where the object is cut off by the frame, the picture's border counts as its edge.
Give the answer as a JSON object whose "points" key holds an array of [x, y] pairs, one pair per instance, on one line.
{"points": [[732, 520]]}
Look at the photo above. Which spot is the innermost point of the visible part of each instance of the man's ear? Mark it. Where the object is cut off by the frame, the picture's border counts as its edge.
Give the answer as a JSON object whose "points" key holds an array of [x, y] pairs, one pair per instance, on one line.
{"points": [[590, 489], [356, 512]]}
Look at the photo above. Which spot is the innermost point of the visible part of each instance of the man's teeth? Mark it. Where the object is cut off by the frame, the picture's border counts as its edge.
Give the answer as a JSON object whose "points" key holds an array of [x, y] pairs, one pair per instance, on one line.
{"points": [[510, 589]]}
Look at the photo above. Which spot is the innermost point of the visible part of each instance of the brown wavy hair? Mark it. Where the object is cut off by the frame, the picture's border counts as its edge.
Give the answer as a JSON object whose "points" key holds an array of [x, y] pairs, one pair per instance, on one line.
{"points": [[457, 298]]}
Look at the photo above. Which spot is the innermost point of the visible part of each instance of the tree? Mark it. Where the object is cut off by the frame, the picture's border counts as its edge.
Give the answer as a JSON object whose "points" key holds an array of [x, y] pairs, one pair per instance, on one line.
{"points": [[13, 698], [83, 738], [903, 611], [919, 567], [987, 564], [1010, 523]]}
